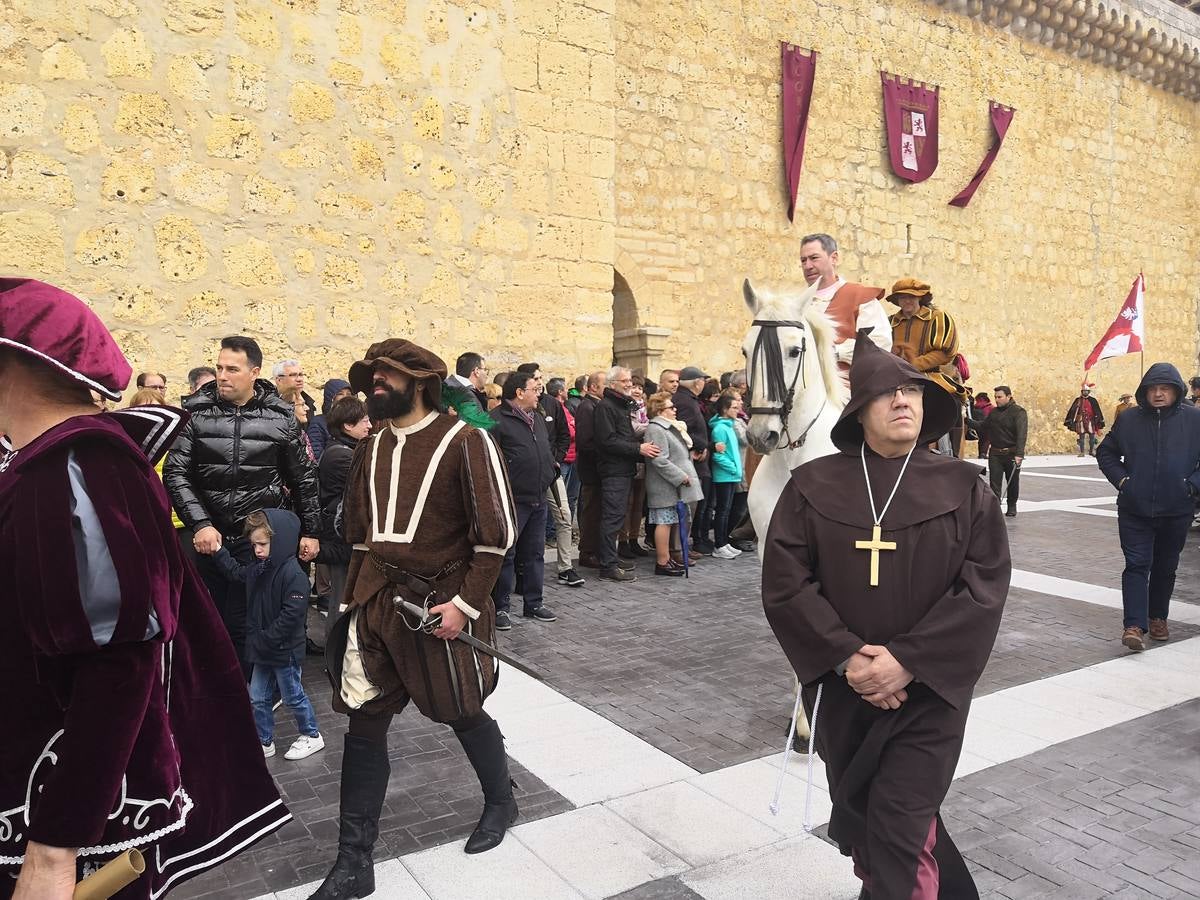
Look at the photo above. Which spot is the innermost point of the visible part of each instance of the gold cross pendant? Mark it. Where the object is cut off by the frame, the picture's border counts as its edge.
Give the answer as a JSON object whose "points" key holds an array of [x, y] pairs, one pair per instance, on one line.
{"points": [[875, 545]]}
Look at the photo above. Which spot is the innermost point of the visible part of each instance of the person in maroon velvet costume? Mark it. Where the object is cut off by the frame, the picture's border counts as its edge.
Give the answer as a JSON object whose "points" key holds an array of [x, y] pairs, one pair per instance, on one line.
{"points": [[124, 713]]}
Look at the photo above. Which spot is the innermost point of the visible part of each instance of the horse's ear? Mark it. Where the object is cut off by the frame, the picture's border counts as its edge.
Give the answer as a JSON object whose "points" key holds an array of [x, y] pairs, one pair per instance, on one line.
{"points": [[751, 299], [806, 296]]}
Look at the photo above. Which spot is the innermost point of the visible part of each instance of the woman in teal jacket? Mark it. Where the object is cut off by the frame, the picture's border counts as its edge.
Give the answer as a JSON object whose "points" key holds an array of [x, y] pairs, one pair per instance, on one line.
{"points": [[726, 471]]}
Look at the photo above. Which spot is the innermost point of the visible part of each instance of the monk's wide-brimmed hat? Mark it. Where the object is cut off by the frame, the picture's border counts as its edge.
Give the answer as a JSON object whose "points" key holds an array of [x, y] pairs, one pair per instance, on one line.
{"points": [[403, 356], [875, 372], [57, 328], [910, 287]]}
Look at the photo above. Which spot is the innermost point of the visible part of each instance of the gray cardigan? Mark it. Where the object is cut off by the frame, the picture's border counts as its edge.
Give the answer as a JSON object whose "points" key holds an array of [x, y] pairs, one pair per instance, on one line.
{"points": [[666, 473]]}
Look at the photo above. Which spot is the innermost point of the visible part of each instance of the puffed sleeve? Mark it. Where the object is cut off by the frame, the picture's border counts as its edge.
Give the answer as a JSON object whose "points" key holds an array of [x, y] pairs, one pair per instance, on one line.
{"points": [[489, 504]]}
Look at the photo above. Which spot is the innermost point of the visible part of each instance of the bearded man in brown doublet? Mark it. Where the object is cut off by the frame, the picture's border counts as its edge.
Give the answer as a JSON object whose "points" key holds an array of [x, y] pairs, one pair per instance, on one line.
{"points": [[885, 572], [429, 514]]}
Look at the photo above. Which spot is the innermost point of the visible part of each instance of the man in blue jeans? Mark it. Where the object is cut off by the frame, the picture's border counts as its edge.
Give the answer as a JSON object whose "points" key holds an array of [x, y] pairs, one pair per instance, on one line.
{"points": [[1152, 457], [521, 435]]}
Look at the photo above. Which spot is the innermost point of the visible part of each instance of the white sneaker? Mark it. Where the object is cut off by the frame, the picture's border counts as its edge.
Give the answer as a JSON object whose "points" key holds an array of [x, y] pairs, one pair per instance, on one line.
{"points": [[725, 552], [305, 746], [734, 550], [269, 749]]}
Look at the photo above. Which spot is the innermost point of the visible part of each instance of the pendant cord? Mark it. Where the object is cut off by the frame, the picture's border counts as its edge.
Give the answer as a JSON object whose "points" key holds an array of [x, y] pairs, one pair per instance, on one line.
{"points": [[878, 518]]}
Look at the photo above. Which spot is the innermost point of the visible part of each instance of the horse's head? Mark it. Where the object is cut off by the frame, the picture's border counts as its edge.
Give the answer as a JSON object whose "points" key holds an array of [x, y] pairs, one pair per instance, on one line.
{"points": [[789, 357]]}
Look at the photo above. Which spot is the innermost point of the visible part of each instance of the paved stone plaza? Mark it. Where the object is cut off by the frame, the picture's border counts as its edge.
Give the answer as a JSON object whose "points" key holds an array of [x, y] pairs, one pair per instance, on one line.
{"points": [[646, 765]]}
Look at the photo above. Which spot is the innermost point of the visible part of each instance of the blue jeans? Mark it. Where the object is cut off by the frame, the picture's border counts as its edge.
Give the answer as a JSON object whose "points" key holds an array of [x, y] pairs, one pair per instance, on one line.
{"points": [[1152, 546], [529, 552], [263, 681], [723, 492]]}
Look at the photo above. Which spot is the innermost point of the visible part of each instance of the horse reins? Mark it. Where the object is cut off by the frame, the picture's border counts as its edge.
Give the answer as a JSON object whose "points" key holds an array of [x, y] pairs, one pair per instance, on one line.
{"points": [[772, 355]]}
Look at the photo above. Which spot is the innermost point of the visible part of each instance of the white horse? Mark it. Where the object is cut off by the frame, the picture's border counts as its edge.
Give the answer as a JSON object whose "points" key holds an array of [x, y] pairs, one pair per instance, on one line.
{"points": [[796, 392], [796, 397]]}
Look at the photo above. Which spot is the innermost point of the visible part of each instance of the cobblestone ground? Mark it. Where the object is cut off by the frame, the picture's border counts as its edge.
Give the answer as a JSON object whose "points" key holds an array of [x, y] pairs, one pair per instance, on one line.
{"points": [[690, 668]]}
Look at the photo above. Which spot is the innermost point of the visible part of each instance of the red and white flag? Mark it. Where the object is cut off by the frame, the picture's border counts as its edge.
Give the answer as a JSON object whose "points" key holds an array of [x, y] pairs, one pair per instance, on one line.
{"points": [[1128, 329]]}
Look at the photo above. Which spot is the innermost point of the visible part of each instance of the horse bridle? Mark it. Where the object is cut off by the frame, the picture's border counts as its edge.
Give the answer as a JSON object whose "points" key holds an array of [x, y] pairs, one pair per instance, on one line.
{"points": [[774, 373]]}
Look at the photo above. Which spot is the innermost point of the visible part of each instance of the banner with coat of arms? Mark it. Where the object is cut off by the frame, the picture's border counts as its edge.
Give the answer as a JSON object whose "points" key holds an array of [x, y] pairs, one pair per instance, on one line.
{"points": [[910, 115]]}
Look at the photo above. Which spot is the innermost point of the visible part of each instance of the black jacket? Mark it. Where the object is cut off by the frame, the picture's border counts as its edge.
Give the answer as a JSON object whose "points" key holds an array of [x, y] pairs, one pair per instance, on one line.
{"points": [[688, 408], [276, 594], [585, 441], [1158, 450], [617, 452], [332, 472], [526, 449], [1007, 427], [231, 460], [556, 426]]}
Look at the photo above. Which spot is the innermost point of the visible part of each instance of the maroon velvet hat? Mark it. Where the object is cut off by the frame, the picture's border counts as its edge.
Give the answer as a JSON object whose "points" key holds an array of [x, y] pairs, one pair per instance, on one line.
{"points": [[59, 329]]}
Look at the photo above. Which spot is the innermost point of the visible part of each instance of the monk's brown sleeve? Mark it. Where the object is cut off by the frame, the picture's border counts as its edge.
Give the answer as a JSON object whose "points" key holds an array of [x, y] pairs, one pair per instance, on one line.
{"points": [[949, 647], [808, 628], [489, 506]]}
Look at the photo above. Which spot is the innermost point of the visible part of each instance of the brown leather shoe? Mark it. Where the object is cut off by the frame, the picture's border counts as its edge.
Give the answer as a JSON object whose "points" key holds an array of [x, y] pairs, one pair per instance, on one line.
{"points": [[1131, 637], [1159, 630]]}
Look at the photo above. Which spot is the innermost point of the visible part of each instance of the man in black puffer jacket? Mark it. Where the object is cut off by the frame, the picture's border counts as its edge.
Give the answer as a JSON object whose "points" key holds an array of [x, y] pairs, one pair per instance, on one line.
{"points": [[617, 453], [241, 451], [1152, 458]]}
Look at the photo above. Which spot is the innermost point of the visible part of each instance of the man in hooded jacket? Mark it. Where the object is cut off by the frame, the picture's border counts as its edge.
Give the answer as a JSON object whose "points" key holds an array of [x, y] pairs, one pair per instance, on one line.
{"points": [[885, 571], [1151, 456]]}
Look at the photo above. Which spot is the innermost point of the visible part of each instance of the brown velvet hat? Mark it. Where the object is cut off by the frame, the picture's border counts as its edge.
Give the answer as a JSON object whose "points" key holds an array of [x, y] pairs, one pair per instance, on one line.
{"points": [[874, 372], [403, 356], [910, 287]]}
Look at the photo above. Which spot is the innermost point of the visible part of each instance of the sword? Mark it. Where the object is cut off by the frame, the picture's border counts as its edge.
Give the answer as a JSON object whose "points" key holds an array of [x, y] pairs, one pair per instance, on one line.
{"points": [[429, 624]]}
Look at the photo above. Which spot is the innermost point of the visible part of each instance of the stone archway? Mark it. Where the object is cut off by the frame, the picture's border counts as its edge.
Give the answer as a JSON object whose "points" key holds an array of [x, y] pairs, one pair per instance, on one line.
{"points": [[635, 345]]}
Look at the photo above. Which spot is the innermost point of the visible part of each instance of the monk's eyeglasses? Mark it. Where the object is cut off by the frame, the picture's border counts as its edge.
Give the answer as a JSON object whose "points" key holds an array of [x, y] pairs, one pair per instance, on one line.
{"points": [[908, 391]]}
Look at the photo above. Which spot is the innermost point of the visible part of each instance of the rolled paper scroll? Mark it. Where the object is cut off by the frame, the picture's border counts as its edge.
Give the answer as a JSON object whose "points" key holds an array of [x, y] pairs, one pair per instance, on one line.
{"points": [[116, 874]]}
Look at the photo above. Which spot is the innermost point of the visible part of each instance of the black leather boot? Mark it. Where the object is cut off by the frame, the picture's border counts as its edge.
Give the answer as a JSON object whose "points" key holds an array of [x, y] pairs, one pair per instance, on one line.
{"points": [[365, 773], [484, 746]]}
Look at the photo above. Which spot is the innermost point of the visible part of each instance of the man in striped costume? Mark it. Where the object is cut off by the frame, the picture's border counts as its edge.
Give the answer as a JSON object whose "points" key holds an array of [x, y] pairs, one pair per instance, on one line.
{"points": [[429, 514]]}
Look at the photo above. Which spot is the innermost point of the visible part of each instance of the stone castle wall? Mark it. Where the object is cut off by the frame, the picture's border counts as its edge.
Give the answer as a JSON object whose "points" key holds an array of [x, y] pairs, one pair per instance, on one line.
{"points": [[324, 173]]}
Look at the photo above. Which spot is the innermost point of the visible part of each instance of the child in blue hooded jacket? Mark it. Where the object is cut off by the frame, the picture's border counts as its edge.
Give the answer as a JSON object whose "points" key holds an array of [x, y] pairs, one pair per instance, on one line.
{"points": [[276, 605]]}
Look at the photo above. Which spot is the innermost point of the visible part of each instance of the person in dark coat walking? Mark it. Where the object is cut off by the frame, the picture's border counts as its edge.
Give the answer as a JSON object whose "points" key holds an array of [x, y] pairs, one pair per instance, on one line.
{"points": [[1152, 457], [1006, 428], [618, 451], [242, 450], [520, 433], [276, 605]]}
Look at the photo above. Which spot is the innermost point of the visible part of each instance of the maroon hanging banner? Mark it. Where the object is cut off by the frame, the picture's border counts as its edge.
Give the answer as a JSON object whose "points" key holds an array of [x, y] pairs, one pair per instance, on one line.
{"points": [[799, 68], [1002, 117], [910, 113]]}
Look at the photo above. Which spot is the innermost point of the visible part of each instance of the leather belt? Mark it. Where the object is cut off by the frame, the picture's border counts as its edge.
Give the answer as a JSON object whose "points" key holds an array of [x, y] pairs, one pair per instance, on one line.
{"points": [[421, 585]]}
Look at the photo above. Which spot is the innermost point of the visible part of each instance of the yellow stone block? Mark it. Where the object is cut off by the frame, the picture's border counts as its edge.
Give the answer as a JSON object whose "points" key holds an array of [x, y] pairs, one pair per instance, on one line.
{"points": [[105, 245], [306, 327], [127, 55], [318, 235], [437, 29], [602, 78], [233, 137], [394, 280], [256, 26], [310, 153], [208, 309], [344, 205], [129, 180], [563, 69], [304, 261], [586, 27], [365, 158], [407, 214], [441, 174], [520, 60], [366, 245], [139, 303], [448, 227], [429, 119], [247, 83], [402, 322], [341, 72], [37, 178], [349, 35], [488, 190], [252, 264], [261, 195], [341, 273], [33, 242], [79, 129], [182, 253], [268, 317], [353, 318], [375, 108], [309, 102], [444, 290], [197, 17], [62, 61], [401, 56], [201, 186], [144, 114], [187, 79], [22, 110]]}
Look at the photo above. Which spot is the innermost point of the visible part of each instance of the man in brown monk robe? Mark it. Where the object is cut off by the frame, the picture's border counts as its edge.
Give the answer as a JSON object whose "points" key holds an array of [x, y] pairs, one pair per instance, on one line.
{"points": [[885, 571]]}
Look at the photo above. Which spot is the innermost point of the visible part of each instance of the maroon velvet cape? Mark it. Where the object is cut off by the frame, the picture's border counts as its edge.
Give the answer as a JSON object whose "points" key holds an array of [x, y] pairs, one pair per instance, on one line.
{"points": [[937, 608], [146, 744]]}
